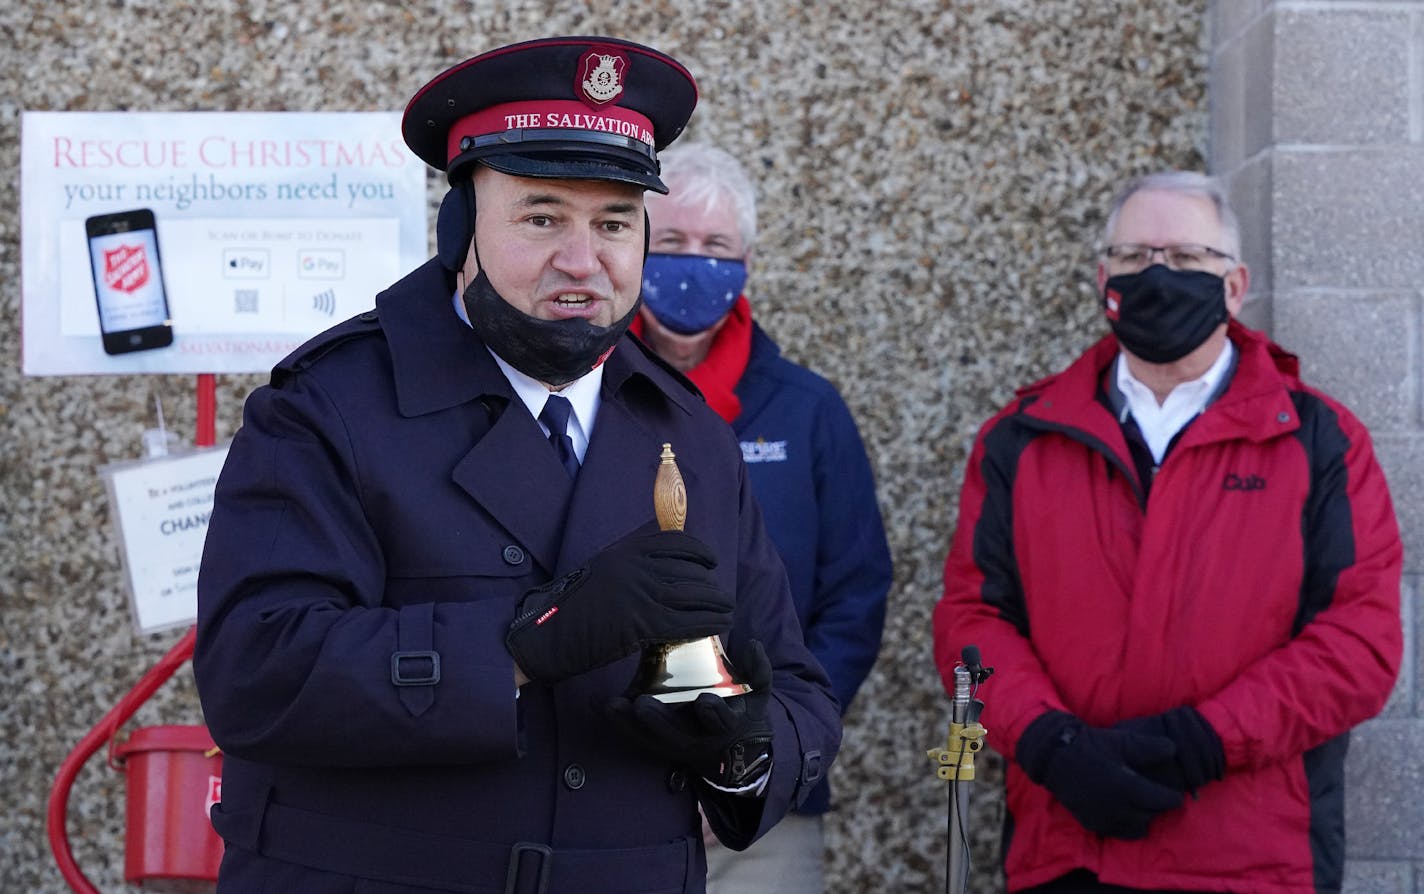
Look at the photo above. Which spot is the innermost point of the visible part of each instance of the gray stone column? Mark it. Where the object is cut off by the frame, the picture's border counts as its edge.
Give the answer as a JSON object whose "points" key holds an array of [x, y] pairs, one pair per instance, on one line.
{"points": [[1317, 125]]}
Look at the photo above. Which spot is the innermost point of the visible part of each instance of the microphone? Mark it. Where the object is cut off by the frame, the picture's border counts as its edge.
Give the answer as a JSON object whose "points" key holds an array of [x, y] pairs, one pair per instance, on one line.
{"points": [[959, 704], [954, 763], [975, 664]]}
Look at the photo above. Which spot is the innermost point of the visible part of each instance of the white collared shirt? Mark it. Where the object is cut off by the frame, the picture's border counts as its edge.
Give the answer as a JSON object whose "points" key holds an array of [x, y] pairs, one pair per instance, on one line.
{"points": [[584, 394], [1159, 423]]}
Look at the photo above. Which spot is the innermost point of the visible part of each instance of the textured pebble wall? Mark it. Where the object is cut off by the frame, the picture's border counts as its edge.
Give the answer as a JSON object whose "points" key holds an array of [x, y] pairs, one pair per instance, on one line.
{"points": [[933, 174]]}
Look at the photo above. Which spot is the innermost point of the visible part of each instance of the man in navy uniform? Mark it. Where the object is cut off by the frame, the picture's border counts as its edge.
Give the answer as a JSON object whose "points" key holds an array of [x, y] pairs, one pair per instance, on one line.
{"points": [[433, 557]]}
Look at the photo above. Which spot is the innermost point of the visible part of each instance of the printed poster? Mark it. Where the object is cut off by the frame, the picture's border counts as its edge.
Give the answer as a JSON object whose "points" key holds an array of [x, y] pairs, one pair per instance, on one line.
{"points": [[207, 242], [161, 508]]}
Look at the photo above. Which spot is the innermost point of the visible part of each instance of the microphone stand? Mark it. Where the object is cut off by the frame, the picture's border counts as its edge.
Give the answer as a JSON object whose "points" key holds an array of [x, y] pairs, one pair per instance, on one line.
{"points": [[955, 762]]}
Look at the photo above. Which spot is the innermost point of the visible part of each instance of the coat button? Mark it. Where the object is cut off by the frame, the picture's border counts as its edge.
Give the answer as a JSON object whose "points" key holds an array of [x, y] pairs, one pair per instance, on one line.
{"points": [[367, 317], [513, 555], [1283, 417], [574, 777], [677, 781]]}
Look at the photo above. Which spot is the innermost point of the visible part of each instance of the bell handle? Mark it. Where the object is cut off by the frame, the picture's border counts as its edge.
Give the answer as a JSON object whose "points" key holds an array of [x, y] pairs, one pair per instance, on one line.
{"points": [[669, 493]]}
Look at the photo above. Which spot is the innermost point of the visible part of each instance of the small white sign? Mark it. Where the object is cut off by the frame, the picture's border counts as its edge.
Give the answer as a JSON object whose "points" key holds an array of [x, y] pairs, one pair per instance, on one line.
{"points": [[263, 229], [161, 508]]}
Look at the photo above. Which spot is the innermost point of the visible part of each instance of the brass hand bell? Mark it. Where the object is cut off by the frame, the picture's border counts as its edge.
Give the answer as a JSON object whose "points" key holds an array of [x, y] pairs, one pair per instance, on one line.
{"points": [[681, 671]]}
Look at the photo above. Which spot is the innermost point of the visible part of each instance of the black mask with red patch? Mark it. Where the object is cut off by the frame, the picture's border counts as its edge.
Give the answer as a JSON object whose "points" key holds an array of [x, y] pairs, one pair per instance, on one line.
{"points": [[1161, 314]]}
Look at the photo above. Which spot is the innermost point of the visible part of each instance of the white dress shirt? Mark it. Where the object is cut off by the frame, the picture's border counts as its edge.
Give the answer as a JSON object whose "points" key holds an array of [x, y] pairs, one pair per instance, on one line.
{"points": [[583, 395], [1159, 423]]}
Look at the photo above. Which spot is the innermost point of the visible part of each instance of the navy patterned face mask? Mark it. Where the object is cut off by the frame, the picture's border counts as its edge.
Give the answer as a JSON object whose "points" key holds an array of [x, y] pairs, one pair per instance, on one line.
{"points": [[690, 293]]}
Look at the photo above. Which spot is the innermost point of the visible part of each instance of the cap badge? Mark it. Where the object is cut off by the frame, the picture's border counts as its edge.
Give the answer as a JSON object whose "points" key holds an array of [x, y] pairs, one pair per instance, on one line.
{"points": [[601, 76]]}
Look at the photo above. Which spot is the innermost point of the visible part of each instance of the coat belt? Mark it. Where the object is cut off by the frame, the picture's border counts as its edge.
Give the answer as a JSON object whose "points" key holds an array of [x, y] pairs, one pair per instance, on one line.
{"points": [[450, 863]]}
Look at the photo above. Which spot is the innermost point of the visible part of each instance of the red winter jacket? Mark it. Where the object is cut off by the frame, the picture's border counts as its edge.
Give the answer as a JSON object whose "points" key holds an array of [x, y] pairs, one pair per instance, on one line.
{"points": [[1259, 583]]}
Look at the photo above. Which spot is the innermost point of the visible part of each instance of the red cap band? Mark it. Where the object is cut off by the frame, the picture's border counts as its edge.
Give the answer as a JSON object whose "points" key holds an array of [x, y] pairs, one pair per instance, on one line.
{"points": [[549, 114]]}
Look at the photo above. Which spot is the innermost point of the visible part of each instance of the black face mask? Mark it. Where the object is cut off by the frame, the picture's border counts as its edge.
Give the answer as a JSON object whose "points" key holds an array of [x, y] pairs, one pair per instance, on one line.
{"points": [[1162, 315], [554, 352]]}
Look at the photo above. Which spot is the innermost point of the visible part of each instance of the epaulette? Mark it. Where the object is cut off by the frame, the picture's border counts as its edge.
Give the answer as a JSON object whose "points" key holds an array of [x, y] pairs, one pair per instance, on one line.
{"points": [[363, 324]]}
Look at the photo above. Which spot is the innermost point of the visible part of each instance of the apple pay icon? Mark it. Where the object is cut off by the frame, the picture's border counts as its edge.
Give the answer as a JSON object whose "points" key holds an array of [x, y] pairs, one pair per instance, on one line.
{"points": [[246, 263]]}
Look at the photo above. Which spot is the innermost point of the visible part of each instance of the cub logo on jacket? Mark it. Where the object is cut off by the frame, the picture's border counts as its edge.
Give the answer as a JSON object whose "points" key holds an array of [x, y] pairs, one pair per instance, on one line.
{"points": [[1239, 482], [764, 451]]}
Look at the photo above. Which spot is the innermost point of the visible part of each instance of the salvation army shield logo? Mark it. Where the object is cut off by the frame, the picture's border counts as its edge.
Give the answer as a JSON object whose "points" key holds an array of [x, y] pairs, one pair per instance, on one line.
{"points": [[601, 76], [126, 268]]}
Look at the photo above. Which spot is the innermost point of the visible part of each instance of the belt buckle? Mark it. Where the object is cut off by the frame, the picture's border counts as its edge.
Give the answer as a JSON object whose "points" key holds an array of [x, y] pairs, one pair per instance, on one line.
{"points": [[429, 678], [546, 866]]}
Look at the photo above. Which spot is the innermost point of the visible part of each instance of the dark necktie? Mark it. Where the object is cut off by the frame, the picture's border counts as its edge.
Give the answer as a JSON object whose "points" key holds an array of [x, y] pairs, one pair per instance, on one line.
{"points": [[555, 415]]}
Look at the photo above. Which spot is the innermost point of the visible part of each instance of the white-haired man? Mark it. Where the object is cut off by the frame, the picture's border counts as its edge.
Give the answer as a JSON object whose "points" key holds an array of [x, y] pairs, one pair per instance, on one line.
{"points": [[808, 468]]}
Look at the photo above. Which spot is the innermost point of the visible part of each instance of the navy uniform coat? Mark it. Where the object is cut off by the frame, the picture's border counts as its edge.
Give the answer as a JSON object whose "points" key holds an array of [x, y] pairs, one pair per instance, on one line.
{"points": [[388, 493]]}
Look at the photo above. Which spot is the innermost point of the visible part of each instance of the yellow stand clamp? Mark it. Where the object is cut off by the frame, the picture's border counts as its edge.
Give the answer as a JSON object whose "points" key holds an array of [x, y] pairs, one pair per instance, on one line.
{"points": [[955, 761]]}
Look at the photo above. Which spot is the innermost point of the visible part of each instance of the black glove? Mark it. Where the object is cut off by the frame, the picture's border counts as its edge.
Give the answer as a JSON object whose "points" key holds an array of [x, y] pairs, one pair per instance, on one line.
{"points": [[1199, 758], [726, 741], [646, 588], [1094, 773]]}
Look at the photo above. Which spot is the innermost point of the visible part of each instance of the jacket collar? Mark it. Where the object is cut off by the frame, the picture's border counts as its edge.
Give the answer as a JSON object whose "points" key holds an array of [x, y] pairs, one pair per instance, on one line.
{"points": [[1256, 404], [765, 350], [753, 389], [438, 361]]}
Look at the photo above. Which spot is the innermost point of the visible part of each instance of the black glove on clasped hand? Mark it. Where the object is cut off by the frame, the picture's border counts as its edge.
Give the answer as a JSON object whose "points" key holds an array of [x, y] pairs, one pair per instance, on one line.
{"points": [[1095, 773], [646, 588], [726, 741], [1199, 759]]}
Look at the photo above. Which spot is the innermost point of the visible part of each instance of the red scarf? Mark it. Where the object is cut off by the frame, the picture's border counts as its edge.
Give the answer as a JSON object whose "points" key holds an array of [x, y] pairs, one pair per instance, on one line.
{"points": [[720, 371]]}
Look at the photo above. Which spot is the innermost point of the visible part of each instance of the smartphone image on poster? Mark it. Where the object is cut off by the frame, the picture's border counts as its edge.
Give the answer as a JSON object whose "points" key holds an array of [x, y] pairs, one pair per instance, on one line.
{"points": [[128, 281]]}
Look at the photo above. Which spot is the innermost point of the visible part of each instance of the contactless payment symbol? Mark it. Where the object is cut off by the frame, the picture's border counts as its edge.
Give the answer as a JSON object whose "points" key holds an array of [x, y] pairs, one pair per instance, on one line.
{"points": [[125, 268], [600, 77]]}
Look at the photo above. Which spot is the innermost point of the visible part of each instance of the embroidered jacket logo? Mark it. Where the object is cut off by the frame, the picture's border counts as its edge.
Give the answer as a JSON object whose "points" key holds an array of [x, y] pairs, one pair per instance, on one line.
{"points": [[1237, 482], [764, 451]]}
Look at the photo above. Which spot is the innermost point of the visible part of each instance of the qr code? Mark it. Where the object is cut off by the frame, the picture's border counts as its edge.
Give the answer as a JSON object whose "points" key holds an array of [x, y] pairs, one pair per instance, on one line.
{"points": [[245, 301]]}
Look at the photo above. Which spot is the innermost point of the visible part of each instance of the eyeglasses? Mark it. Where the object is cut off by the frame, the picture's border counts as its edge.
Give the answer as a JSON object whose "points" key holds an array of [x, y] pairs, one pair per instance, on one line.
{"points": [[1133, 257]]}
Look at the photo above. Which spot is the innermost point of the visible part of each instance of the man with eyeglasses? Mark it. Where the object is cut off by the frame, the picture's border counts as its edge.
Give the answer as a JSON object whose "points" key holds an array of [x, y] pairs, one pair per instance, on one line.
{"points": [[1185, 566]]}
